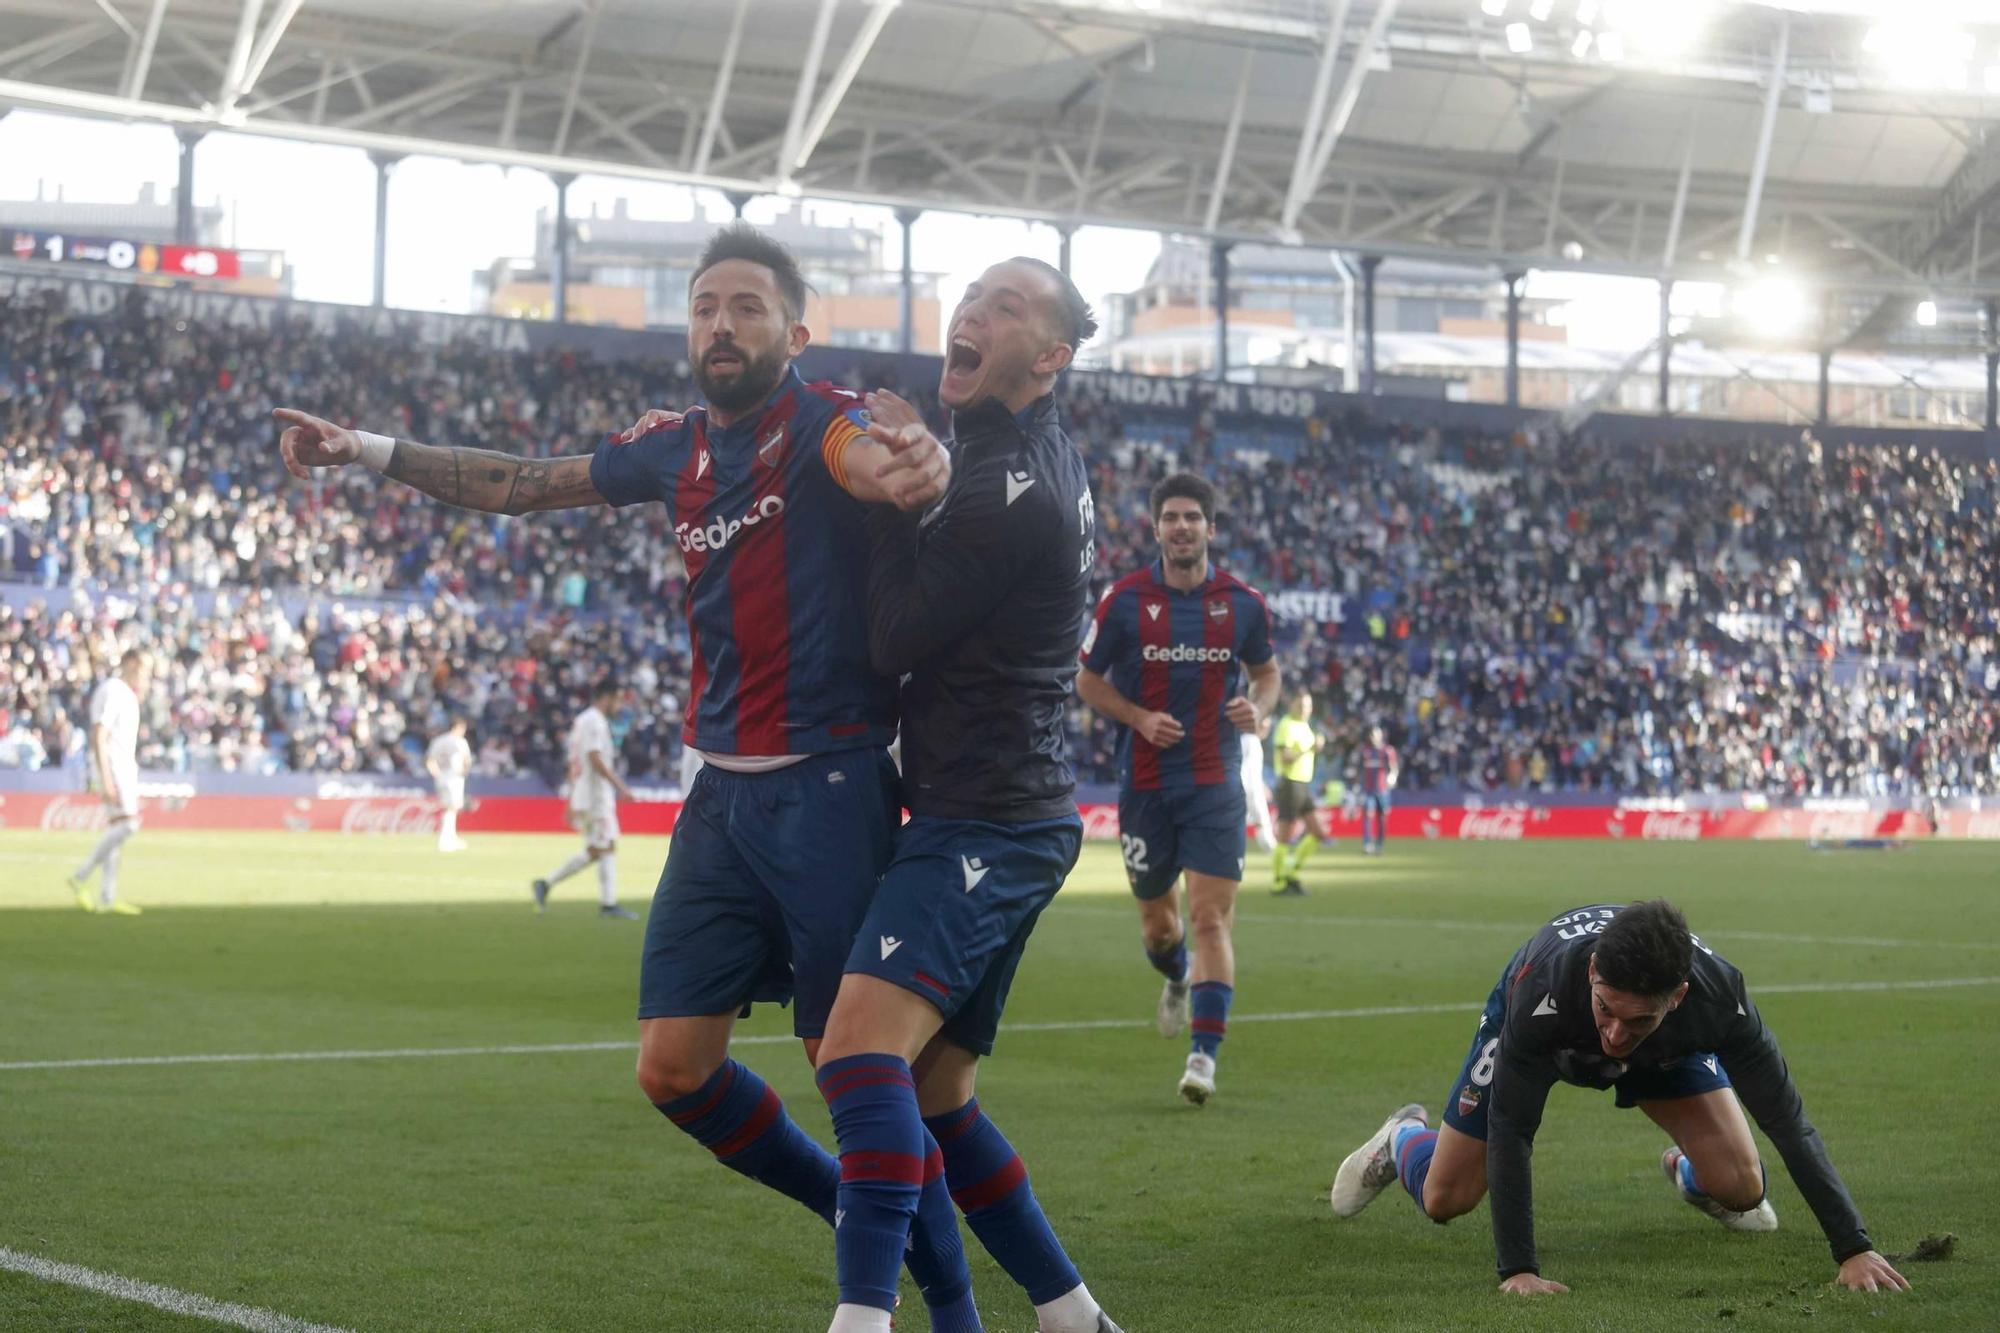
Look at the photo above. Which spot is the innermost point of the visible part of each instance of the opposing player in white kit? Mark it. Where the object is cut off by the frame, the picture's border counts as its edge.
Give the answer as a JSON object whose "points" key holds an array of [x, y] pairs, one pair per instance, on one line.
{"points": [[1256, 792], [448, 760], [114, 771], [594, 792]]}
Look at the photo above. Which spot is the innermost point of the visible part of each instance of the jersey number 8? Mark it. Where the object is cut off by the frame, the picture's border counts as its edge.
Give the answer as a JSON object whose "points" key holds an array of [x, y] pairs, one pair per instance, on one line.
{"points": [[1482, 1069]]}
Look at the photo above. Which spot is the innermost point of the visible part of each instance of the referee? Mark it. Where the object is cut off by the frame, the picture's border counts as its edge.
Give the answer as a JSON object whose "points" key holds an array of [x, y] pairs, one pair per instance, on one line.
{"points": [[1299, 836]]}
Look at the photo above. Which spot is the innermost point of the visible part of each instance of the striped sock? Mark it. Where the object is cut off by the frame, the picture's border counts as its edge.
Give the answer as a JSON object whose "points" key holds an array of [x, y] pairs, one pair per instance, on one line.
{"points": [[936, 1255], [1171, 962], [739, 1119], [874, 1105], [990, 1186], [1210, 1007], [1412, 1148]]}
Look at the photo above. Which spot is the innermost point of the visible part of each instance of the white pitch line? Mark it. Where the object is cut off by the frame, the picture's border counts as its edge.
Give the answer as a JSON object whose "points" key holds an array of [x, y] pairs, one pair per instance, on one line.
{"points": [[1012, 1029], [1517, 927], [160, 1298]]}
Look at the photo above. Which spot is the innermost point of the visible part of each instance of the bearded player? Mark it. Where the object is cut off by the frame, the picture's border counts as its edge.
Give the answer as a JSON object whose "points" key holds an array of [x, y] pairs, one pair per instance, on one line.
{"points": [[787, 829]]}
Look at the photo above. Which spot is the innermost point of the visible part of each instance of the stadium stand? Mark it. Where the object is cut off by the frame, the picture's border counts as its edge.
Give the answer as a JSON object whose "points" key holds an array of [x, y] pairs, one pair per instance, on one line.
{"points": [[1520, 613]]}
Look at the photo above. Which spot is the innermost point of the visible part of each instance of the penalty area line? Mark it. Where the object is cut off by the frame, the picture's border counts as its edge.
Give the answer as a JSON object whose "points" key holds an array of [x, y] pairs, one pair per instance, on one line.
{"points": [[1011, 1029], [160, 1298]]}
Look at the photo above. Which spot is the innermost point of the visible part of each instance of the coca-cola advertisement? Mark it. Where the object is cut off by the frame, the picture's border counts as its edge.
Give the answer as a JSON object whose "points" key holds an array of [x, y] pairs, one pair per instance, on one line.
{"points": [[397, 814], [368, 810], [416, 815]]}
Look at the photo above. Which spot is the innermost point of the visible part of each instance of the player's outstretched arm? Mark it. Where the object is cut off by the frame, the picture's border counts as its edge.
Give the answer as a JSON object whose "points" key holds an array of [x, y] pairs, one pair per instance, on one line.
{"points": [[482, 479]]}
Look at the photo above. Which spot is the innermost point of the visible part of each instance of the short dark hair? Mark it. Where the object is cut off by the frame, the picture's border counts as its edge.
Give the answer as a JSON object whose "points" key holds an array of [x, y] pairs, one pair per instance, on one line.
{"points": [[1076, 321], [740, 240], [605, 688], [1183, 486], [1646, 950]]}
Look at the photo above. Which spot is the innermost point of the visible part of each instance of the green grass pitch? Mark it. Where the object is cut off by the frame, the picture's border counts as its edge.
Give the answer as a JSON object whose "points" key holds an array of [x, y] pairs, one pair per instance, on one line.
{"points": [[538, 1190]]}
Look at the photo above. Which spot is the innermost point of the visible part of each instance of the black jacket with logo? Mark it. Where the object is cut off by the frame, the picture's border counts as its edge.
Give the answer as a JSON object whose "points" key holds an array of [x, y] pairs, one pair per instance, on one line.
{"points": [[981, 607], [1549, 1036]]}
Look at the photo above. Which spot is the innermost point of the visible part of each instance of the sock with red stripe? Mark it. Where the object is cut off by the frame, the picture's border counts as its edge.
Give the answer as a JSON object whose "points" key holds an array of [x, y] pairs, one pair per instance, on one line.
{"points": [[1412, 1148], [1171, 962], [991, 1186], [936, 1255], [1209, 1006], [739, 1119], [874, 1105]]}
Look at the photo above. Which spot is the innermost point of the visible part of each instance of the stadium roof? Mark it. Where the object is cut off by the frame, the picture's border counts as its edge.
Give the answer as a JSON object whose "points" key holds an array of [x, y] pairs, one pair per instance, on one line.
{"points": [[1424, 128]]}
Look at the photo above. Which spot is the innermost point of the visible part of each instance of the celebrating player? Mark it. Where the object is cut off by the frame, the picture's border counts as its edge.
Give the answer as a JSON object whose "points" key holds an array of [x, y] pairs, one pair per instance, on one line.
{"points": [[1297, 742], [594, 792], [1177, 637], [448, 760], [114, 770], [1624, 998], [787, 829], [981, 607], [1380, 767]]}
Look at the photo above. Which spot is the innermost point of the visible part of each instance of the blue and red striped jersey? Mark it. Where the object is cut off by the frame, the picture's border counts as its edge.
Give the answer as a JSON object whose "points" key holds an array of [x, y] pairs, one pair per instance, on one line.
{"points": [[1376, 761], [777, 565], [1181, 653]]}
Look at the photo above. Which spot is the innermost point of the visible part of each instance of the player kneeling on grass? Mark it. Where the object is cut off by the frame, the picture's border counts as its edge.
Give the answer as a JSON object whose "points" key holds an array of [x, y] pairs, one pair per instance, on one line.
{"points": [[1624, 998]]}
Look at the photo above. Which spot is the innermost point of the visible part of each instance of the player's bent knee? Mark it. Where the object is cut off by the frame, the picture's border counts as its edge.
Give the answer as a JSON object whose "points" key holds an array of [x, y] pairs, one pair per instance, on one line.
{"points": [[666, 1076], [1735, 1184], [1446, 1199]]}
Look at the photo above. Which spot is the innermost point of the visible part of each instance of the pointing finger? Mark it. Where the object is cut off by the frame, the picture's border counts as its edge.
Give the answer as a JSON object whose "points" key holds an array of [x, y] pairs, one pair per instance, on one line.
{"points": [[304, 419]]}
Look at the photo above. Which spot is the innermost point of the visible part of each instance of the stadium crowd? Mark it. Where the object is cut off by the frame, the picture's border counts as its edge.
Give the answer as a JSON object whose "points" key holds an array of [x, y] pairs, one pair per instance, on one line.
{"points": [[1519, 613]]}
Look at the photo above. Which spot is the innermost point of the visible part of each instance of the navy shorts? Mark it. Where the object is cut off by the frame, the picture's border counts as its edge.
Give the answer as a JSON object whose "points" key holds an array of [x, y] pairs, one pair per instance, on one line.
{"points": [[1189, 828], [955, 911], [1465, 1109], [767, 879]]}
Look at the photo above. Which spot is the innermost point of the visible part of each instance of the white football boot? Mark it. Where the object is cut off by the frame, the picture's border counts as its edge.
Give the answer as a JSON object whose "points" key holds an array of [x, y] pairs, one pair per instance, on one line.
{"points": [[1761, 1218], [1172, 1015], [1369, 1169], [1198, 1083]]}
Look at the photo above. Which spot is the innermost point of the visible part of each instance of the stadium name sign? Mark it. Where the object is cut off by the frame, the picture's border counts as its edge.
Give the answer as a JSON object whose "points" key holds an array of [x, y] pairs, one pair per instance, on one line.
{"points": [[1240, 400], [1317, 605], [100, 300]]}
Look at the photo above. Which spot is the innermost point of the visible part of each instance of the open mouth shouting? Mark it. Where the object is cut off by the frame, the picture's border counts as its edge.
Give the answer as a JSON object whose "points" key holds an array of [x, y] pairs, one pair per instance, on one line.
{"points": [[963, 360]]}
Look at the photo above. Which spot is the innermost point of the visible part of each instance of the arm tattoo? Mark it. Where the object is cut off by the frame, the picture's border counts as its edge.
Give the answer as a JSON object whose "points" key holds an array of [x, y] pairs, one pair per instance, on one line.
{"points": [[495, 483]]}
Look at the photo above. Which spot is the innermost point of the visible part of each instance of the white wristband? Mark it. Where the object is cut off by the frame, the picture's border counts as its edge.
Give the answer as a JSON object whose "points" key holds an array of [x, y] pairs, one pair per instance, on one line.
{"points": [[375, 450]]}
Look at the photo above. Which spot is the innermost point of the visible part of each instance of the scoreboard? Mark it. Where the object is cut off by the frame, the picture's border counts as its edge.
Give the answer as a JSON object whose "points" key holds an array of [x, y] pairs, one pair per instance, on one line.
{"points": [[173, 261]]}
